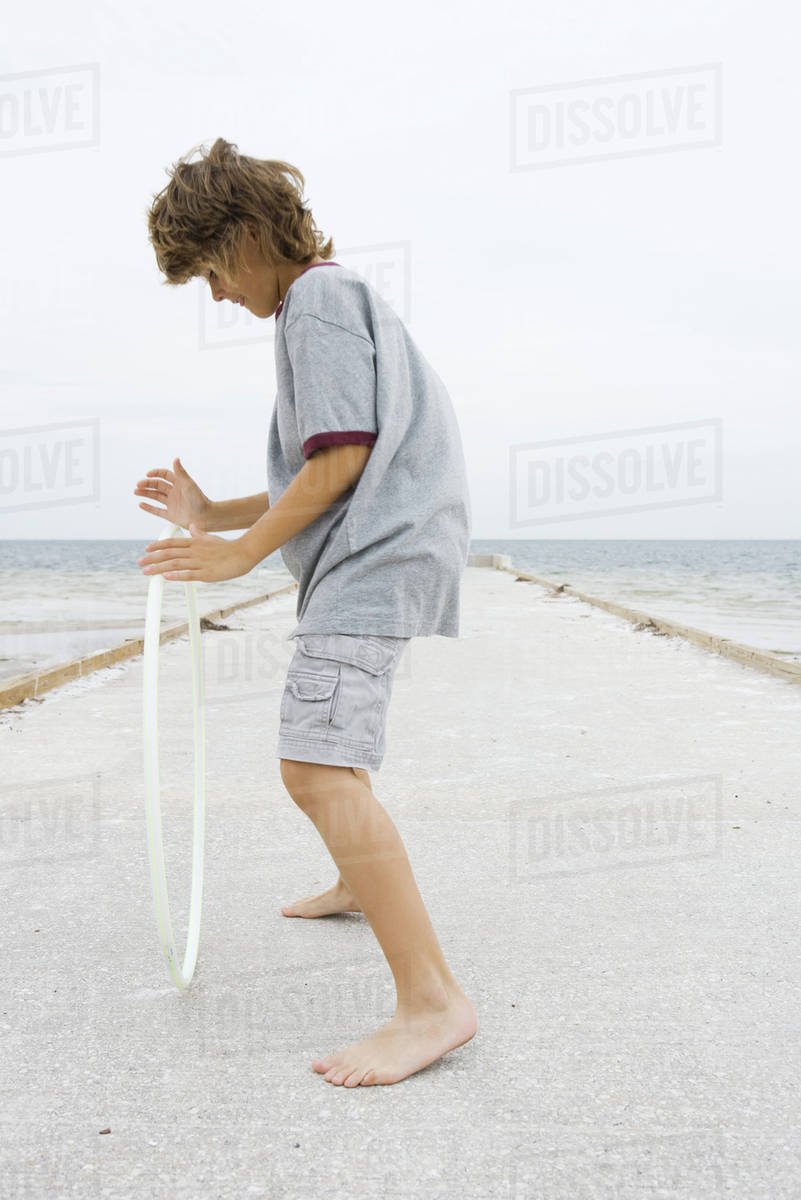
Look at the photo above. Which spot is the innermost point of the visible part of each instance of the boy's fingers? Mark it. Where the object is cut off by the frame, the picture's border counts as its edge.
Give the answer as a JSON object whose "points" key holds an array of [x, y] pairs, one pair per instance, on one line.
{"points": [[170, 564], [167, 564]]}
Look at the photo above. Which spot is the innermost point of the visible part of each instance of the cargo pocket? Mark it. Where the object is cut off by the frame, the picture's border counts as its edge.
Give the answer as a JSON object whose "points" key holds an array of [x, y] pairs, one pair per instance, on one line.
{"points": [[359, 704], [307, 701]]}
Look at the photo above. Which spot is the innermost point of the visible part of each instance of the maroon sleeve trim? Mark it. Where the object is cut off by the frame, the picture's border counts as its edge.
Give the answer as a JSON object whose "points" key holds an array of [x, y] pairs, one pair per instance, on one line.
{"points": [[350, 437]]}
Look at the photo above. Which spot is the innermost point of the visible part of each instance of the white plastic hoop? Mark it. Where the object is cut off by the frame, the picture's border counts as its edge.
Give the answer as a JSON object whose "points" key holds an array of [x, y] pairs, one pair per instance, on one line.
{"points": [[181, 974]]}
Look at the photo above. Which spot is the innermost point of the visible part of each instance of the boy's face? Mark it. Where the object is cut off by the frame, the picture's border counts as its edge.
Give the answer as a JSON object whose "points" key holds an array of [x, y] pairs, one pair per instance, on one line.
{"points": [[259, 286]]}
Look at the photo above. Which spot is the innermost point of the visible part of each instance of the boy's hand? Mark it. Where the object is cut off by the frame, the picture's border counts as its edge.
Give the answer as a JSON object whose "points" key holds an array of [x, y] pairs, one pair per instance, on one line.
{"points": [[203, 556], [183, 500]]}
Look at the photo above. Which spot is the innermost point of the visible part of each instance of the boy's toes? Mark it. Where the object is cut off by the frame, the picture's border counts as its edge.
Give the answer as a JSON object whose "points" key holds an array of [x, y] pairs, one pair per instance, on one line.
{"points": [[335, 1071], [338, 1075], [356, 1077]]}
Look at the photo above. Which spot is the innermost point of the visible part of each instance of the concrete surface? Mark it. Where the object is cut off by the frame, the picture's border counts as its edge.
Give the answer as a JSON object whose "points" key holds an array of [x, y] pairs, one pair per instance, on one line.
{"points": [[604, 824]]}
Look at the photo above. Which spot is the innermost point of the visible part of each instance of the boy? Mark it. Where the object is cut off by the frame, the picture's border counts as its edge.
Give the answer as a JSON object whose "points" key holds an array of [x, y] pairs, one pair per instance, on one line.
{"points": [[368, 502]]}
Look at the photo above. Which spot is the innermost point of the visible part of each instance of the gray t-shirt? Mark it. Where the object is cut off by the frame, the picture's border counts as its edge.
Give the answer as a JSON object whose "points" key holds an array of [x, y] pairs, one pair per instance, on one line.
{"points": [[388, 555]]}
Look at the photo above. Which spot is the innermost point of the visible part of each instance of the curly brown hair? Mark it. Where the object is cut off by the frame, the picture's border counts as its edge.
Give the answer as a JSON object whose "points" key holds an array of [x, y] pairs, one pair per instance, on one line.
{"points": [[198, 222]]}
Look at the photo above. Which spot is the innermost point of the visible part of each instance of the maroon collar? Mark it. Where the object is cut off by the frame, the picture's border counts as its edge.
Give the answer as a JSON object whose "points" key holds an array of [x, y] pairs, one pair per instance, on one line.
{"points": [[330, 263]]}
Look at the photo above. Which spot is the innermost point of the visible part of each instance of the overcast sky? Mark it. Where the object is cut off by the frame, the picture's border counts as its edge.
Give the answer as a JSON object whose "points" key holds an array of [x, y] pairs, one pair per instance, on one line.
{"points": [[587, 215]]}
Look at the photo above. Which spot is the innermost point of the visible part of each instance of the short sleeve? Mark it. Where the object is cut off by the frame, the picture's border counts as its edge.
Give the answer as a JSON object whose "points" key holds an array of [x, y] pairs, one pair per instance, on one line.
{"points": [[334, 383]]}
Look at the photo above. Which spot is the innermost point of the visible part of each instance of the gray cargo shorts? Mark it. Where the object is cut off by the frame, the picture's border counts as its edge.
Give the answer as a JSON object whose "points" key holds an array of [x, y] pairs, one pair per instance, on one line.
{"points": [[334, 705]]}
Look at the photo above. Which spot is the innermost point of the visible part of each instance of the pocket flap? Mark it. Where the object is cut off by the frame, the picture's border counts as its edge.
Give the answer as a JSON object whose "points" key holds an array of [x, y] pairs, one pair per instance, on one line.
{"points": [[311, 687], [363, 650]]}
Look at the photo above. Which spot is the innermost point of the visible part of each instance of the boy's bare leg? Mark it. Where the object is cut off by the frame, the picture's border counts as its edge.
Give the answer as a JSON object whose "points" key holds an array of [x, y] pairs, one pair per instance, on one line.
{"points": [[433, 1015], [338, 898]]}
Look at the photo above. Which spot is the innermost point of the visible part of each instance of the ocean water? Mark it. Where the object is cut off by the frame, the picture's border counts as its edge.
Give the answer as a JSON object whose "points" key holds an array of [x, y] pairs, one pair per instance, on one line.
{"points": [[749, 591], [62, 599]]}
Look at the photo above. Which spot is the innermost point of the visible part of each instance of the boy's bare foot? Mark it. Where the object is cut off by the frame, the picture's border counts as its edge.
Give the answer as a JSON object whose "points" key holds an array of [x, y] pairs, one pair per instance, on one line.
{"points": [[409, 1042], [337, 899]]}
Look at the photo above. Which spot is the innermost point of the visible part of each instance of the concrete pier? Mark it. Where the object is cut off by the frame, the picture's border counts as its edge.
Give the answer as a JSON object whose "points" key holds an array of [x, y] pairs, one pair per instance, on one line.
{"points": [[605, 825]]}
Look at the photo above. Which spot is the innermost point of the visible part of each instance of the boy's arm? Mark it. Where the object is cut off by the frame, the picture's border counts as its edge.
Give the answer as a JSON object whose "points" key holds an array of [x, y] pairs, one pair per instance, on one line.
{"points": [[323, 479], [235, 514]]}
